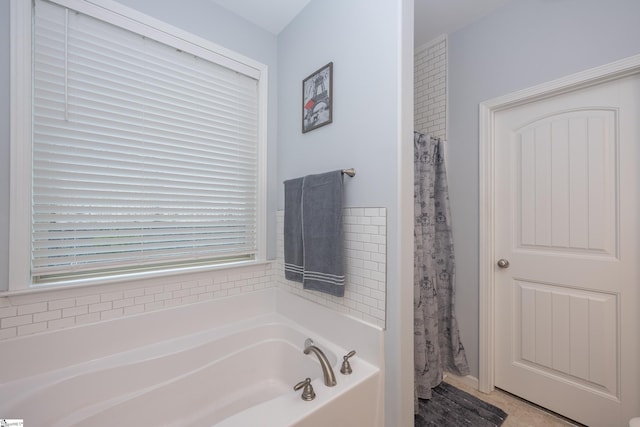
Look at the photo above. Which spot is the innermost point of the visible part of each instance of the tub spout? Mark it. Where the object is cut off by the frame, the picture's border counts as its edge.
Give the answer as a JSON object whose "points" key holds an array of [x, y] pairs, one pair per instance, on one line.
{"points": [[327, 372]]}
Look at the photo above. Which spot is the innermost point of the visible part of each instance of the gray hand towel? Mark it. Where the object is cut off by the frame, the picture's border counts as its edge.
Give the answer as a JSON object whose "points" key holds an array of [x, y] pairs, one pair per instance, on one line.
{"points": [[293, 250], [322, 233]]}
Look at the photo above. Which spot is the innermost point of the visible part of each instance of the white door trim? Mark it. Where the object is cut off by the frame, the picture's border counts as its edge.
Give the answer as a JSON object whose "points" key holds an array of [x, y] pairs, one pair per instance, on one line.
{"points": [[612, 71]]}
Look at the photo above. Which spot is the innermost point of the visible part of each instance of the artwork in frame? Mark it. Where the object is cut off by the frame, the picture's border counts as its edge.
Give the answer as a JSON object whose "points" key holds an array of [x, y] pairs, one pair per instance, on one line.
{"points": [[317, 99]]}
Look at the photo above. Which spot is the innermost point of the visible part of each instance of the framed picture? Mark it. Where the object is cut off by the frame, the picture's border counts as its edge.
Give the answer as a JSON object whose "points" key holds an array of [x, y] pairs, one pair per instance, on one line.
{"points": [[317, 99]]}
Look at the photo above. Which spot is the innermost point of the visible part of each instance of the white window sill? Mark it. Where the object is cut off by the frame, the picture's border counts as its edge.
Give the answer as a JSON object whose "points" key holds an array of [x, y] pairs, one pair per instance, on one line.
{"points": [[128, 277]]}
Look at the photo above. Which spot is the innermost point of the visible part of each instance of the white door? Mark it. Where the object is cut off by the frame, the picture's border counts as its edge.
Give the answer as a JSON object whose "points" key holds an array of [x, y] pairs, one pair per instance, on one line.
{"points": [[567, 195]]}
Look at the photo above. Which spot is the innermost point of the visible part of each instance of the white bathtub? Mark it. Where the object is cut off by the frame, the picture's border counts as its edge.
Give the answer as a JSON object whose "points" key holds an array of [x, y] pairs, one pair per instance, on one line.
{"points": [[230, 362]]}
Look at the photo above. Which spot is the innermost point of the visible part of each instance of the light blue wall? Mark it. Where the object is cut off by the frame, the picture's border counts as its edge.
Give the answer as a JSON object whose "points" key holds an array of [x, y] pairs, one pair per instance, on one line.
{"points": [[4, 144], [523, 43], [200, 17], [212, 22], [361, 38]]}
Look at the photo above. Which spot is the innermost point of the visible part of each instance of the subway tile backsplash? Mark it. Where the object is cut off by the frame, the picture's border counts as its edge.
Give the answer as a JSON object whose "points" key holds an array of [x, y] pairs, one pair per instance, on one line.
{"points": [[365, 238], [63, 308], [365, 252], [430, 88]]}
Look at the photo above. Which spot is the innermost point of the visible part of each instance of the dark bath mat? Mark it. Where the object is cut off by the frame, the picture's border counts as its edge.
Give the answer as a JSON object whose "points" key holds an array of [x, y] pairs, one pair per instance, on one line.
{"points": [[452, 407]]}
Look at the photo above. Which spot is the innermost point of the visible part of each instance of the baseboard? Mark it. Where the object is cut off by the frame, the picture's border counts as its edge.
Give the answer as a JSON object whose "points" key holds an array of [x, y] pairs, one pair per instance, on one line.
{"points": [[467, 380]]}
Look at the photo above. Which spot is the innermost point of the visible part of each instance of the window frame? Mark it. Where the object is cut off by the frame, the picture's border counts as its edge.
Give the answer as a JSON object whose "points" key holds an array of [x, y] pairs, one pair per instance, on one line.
{"points": [[21, 78]]}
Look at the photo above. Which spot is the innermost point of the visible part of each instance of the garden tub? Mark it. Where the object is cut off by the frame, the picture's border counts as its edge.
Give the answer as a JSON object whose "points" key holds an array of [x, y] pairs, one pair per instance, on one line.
{"points": [[240, 371]]}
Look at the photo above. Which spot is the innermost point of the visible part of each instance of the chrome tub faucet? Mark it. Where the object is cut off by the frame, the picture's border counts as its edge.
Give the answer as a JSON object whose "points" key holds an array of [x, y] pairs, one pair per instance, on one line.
{"points": [[327, 371]]}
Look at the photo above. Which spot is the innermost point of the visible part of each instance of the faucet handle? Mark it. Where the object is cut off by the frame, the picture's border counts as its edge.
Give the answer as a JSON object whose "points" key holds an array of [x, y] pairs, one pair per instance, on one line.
{"points": [[307, 392], [346, 366]]}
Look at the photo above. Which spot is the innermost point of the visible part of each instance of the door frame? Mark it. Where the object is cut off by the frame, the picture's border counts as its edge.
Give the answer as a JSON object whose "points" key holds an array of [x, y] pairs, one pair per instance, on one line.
{"points": [[591, 77]]}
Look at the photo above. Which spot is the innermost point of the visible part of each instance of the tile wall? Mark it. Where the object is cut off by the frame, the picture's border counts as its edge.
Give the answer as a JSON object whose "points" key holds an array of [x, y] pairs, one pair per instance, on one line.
{"points": [[365, 232], [43, 311], [430, 88]]}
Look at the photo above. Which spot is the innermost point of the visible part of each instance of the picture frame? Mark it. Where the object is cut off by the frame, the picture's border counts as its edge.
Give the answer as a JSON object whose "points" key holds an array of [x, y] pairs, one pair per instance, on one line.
{"points": [[317, 98]]}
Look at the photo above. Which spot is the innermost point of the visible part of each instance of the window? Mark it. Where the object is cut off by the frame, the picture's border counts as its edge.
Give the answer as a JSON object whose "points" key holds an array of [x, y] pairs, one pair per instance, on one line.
{"points": [[142, 149]]}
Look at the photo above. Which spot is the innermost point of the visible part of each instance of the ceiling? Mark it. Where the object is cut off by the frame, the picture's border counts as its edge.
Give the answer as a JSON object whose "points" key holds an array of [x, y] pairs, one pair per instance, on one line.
{"points": [[432, 17], [436, 17], [271, 15]]}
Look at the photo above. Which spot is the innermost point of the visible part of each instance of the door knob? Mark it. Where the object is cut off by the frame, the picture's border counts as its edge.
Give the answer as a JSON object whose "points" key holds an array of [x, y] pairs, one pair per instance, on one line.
{"points": [[503, 263]]}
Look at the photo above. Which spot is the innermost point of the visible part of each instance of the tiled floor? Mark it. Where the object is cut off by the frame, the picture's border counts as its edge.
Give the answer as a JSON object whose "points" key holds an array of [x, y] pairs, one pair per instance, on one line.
{"points": [[521, 413]]}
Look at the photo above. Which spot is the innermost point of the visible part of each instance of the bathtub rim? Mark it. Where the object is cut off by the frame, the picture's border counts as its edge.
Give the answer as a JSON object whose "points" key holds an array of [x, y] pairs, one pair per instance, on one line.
{"points": [[138, 330], [21, 388]]}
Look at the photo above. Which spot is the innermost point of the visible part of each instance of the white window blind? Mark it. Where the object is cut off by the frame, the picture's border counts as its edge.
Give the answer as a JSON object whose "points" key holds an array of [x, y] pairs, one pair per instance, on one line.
{"points": [[143, 155]]}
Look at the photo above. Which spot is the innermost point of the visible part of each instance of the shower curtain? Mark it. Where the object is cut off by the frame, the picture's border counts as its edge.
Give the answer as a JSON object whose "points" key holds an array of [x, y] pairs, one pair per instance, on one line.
{"points": [[437, 346]]}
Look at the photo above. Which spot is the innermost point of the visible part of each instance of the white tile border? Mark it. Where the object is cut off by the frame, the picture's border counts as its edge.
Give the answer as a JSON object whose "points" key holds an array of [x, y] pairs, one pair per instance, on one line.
{"points": [[31, 313]]}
